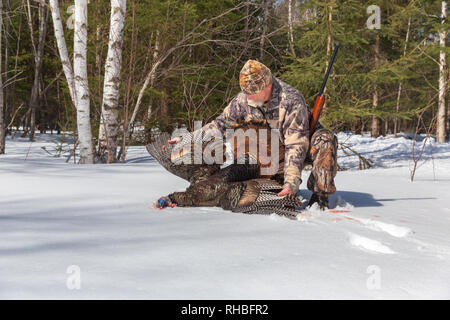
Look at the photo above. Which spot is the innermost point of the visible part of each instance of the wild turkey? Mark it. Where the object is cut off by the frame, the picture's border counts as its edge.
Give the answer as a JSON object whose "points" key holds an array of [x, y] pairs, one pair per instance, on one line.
{"points": [[236, 187]]}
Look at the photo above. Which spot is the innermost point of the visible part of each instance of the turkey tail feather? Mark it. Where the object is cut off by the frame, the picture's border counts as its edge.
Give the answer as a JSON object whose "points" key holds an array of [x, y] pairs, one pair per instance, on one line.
{"points": [[161, 151], [260, 197]]}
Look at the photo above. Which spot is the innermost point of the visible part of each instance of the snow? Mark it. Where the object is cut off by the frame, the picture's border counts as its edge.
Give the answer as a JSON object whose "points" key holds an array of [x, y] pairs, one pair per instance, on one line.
{"points": [[388, 238]]}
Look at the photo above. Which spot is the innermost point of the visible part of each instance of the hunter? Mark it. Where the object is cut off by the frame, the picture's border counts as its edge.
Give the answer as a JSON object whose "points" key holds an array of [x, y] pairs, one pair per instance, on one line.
{"points": [[264, 97]]}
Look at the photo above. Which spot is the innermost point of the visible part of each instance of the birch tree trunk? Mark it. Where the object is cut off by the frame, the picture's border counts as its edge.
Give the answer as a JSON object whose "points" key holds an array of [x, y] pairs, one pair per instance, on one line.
{"points": [[399, 92], [153, 76], [98, 58], [148, 81], [34, 99], [132, 68], [2, 102], [264, 29], [7, 89], [30, 25], [81, 83], [329, 47], [290, 28], [375, 120], [62, 48], [441, 116], [246, 29], [108, 131]]}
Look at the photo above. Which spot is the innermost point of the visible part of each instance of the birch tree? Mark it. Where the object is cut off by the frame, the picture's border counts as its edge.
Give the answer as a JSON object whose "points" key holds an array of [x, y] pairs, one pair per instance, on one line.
{"points": [[34, 98], [2, 102], [441, 116], [329, 9], [265, 20], [62, 48], [153, 75], [108, 131], [81, 83], [375, 119], [399, 92], [76, 77], [7, 89], [149, 79], [290, 28]]}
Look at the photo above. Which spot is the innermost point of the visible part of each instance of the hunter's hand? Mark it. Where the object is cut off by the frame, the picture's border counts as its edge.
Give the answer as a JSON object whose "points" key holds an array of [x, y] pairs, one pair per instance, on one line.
{"points": [[174, 140], [285, 192]]}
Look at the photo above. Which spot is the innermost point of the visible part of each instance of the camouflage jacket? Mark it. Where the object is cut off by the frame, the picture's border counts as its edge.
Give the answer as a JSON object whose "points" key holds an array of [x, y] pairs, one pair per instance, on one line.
{"points": [[286, 111]]}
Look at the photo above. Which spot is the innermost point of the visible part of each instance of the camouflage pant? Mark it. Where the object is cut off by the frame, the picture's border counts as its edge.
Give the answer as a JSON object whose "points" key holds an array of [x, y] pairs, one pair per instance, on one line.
{"points": [[322, 155]]}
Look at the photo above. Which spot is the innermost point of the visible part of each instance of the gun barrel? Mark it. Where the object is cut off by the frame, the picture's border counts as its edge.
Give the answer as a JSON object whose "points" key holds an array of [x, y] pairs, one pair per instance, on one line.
{"points": [[320, 100], [324, 83]]}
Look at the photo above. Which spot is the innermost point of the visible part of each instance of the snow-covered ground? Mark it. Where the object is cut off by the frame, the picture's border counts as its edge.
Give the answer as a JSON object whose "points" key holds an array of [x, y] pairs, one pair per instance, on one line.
{"points": [[60, 223]]}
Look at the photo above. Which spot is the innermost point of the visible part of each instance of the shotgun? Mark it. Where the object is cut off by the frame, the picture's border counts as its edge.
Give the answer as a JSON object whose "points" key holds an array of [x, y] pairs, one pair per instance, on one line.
{"points": [[320, 100]]}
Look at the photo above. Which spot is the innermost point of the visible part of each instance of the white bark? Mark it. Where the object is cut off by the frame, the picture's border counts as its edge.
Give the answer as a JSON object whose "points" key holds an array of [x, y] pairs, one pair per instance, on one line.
{"points": [[81, 83], [290, 29], [264, 29], [329, 47], [148, 81], [399, 92], [108, 131], [441, 116], [153, 76], [34, 99], [291, 38], [2, 103], [30, 25], [7, 90], [163, 56], [375, 119], [62, 48]]}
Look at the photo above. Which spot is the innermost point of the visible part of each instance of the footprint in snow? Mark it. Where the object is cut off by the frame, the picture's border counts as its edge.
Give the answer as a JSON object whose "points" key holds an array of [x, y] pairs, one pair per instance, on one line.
{"points": [[368, 244], [391, 229]]}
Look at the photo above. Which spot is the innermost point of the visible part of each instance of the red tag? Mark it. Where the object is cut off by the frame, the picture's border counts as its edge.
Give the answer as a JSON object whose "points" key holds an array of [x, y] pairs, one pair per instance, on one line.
{"points": [[338, 211]]}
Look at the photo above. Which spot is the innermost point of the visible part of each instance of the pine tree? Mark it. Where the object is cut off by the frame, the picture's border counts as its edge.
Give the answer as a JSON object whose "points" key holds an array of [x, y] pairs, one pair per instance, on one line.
{"points": [[370, 66]]}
